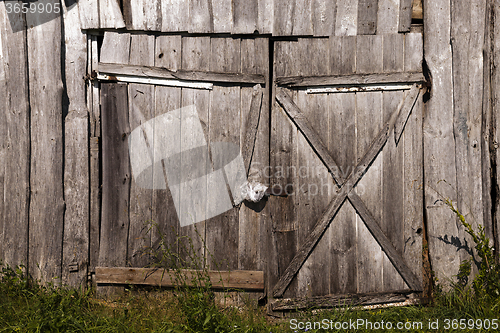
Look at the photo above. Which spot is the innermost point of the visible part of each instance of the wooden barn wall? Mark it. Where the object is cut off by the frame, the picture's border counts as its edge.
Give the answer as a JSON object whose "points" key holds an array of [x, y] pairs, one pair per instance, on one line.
{"points": [[49, 144], [274, 17]]}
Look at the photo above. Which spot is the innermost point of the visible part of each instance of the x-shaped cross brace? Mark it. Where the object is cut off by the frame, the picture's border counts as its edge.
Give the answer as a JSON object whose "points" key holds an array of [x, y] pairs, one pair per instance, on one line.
{"points": [[397, 121]]}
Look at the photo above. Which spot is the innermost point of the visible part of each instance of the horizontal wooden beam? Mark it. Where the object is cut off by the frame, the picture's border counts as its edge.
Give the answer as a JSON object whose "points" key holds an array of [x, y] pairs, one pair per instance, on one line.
{"points": [[331, 301], [360, 88], [155, 81], [350, 80], [163, 73], [244, 280]]}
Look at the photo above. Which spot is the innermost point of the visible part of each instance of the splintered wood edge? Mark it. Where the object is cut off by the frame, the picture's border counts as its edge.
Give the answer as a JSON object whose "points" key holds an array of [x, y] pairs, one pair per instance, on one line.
{"points": [[238, 279]]}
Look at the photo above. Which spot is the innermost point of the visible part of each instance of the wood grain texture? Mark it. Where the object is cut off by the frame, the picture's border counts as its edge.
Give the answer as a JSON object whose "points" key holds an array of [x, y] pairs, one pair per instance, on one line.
{"points": [[388, 17], [265, 16], [245, 16], [349, 80], [76, 155], [346, 22], [144, 15], [251, 127], [115, 48], [323, 17], [201, 16], [342, 55], [89, 14], [110, 15], [164, 73], [405, 112], [141, 109], [15, 163], [405, 14], [283, 17], [47, 197], [439, 142], [173, 14], [222, 15], [237, 279], [367, 17]]}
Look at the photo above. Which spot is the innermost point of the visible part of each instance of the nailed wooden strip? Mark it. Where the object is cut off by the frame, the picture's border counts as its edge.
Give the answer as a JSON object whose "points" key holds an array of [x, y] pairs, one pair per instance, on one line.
{"points": [[252, 124], [158, 82], [163, 73], [367, 17], [76, 154], [397, 260], [402, 118], [361, 88], [305, 127], [354, 79], [237, 279], [405, 13], [345, 300]]}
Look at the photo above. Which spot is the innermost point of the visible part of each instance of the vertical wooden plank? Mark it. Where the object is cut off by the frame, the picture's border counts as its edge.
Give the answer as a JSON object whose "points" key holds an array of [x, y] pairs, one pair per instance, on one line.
{"points": [[89, 14], [413, 165], [342, 55], [224, 126], [201, 14], [346, 22], [222, 16], [144, 14], [367, 17], [302, 18], [315, 184], [388, 17], [76, 155], [439, 143], [323, 17], [16, 159], [174, 14], [392, 171], [110, 15], [283, 17], [369, 120], [265, 17], [195, 56], [115, 175], [141, 109], [164, 216], [245, 15], [405, 12], [47, 198], [115, 48], [282, 244]]}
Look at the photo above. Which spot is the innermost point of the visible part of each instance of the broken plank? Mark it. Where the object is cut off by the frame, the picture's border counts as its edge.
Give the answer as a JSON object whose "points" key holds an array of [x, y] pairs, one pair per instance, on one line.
{"points": [[237, 279], [163, 73], [354, 79], [252, 123]]}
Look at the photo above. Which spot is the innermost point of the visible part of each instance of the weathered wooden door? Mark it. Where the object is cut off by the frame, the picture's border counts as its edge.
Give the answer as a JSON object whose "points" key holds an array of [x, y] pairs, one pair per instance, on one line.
{"points": [[346, 143], [146, 77]]}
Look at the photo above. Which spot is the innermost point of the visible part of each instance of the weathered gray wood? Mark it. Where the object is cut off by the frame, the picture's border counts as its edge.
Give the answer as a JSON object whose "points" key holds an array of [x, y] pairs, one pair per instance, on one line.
{"points": [[388, 17], [224, 126], [15, 164], [342, 55], [367, 17], [76, 155], [89, 14], [348, 80], [173, 14], [283, 17], [397, 260], [414, 50], [115, 175], [406, 109], [265, 17], [343, 300], [251, 127], [302, 18], [405, 11], [369, 56], [47, 197], [439, 143], [195, 57], [145, 15], [346, 22], [157, 72], [238, 279], [110, 15], [201, 16], [323, 17], [222, 15], [115, 48], [394, 53], [245, 15], [141, 109]]}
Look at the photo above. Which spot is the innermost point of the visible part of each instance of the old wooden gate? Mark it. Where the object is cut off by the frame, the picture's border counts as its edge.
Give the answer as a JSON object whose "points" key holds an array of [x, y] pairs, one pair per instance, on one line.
{"points": [[346, 141]]}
